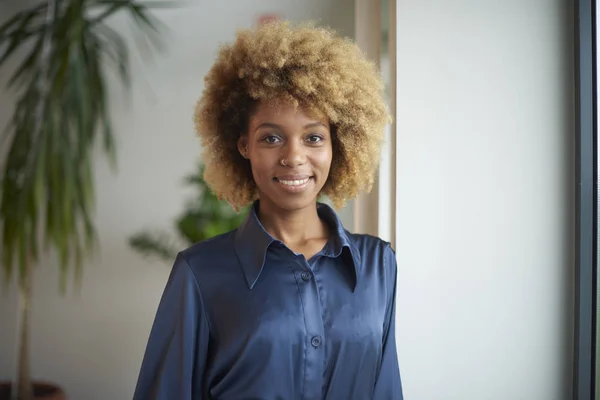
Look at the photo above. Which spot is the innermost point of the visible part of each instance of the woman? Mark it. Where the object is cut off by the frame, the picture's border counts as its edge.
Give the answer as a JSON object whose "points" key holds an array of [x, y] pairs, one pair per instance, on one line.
{"points": [[290, 305]]}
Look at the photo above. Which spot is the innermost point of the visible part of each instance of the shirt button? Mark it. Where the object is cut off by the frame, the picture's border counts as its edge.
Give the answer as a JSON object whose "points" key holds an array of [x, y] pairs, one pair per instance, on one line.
{"points": [[305, 275], [316, 341]]}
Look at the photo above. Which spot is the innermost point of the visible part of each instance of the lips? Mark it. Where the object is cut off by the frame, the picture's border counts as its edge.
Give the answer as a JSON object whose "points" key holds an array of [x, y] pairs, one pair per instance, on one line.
{"points": [[293, 183], [290, 179]]}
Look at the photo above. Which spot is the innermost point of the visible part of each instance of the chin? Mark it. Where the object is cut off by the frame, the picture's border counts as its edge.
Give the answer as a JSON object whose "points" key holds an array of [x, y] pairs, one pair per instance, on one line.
{"points": [[290, 203]]}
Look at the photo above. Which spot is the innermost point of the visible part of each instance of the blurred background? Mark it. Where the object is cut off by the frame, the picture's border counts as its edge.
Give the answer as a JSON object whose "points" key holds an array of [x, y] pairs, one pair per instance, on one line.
{"points": [[477, 192]]}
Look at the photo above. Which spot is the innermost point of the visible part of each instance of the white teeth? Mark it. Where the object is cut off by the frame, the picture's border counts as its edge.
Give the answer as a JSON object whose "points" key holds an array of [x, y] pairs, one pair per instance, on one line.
{"points": [[294, 182]]}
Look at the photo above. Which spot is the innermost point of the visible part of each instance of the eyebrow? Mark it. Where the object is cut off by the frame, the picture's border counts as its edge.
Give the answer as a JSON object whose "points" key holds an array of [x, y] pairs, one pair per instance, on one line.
{"points": [[280, 127]]}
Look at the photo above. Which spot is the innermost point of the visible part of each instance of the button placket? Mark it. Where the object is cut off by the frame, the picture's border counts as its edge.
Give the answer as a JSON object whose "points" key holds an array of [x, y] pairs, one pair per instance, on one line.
{"points": [[313, 322]]}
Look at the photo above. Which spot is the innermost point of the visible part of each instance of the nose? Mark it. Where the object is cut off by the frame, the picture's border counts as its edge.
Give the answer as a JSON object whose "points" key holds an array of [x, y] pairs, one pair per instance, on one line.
{"points": [[294, 154]]}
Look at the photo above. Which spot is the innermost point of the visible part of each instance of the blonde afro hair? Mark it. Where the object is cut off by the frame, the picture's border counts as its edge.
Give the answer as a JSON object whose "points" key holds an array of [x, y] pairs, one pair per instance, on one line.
{"points": [[311, 67]]}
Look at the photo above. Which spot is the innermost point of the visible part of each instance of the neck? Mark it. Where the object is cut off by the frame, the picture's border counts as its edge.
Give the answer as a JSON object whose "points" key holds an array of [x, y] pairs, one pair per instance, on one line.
{"points": [[292, 227]]}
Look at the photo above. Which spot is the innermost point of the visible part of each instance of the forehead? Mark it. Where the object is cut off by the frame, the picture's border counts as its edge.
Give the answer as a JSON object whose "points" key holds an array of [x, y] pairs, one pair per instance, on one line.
{"points": [[285, 112]]}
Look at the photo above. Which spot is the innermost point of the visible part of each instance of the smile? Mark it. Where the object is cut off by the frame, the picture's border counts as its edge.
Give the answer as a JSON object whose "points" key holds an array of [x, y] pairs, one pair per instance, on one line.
{"points": [[296, 182]]}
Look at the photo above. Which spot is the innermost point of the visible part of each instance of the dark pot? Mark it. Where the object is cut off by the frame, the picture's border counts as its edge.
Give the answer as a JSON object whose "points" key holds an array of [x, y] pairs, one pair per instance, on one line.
{"points": [[41, 391]]}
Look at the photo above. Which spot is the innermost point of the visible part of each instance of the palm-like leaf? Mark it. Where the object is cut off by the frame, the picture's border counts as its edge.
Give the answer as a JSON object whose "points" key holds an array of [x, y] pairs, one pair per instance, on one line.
{"points": [[60, 114]]}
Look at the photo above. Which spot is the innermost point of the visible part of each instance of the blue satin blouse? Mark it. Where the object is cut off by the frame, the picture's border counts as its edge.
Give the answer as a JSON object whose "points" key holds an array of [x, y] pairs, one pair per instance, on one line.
{"points": [[243, 317]]}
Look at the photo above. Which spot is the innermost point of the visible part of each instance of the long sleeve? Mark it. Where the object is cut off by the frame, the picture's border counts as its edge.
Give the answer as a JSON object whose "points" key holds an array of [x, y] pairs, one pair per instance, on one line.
{"points": [[174, 361], [388, 385]]}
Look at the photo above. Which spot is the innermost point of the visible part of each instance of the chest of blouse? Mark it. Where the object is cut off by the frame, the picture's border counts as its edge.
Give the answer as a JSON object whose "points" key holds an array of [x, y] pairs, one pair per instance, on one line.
{"points": [[312, 319]]}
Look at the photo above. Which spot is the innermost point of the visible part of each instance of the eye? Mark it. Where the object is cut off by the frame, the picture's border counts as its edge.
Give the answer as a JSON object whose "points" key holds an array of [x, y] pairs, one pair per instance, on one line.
{"points": [[271, 139], [314, 139]]}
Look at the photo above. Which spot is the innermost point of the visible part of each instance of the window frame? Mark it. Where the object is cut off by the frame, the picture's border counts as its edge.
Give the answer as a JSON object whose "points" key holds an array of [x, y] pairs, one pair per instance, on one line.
{"points": [[586, 272]]}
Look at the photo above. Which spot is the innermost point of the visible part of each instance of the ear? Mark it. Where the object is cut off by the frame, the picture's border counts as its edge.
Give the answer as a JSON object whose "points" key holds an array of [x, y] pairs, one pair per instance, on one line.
{"points": [[242, 146]]}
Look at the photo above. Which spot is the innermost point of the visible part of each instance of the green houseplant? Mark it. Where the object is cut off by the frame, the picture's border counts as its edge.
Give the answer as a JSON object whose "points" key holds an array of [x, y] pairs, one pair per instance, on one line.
{"points": [[205, 216], [64, 48]]}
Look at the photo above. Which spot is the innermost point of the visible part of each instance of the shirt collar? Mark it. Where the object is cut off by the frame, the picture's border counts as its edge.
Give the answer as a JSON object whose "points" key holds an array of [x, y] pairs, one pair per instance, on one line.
{"points": [[252, 242]]}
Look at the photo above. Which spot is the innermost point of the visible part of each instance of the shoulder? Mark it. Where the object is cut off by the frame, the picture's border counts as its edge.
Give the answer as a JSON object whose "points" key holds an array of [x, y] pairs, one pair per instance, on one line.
{"points": [[376, 255], [211, 251], [369, 244], [377, 262]]}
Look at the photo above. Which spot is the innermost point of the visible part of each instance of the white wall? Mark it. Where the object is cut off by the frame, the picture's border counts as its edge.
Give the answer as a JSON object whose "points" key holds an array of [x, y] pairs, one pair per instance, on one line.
{"points": [[485, 190], [92, 343]]}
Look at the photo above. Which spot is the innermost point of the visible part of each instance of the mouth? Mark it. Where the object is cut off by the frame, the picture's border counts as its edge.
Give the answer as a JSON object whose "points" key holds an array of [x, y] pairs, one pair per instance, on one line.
{"points": [[293, 184]]}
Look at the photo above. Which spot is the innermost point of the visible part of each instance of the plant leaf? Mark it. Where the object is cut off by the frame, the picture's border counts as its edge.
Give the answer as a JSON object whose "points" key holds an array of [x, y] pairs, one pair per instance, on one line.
{"points": [[47, 180], [20, 34], [113, 46]]}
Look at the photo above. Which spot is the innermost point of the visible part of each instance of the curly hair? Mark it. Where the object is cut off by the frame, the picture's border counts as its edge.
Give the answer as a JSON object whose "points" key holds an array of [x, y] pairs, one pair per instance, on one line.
{"points": [[309, 67]]}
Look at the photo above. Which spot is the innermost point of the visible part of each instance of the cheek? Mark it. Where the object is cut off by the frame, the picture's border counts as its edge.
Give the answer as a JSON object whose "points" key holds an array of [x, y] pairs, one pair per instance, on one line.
{"points": [[323, 158], [261, 166]]}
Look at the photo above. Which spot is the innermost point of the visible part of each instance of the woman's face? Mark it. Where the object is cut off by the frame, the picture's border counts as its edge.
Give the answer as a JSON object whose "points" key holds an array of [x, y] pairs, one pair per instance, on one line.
{"points": [[290, 154]]}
